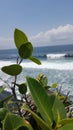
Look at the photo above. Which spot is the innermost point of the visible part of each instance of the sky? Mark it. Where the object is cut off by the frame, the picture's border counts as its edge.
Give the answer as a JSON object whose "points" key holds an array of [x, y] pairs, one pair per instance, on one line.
{"points": [[45, 22]]}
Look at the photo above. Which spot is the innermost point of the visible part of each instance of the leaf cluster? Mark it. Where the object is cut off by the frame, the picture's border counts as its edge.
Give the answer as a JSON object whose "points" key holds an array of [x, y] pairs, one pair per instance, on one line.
{"points": [[46, 109]]}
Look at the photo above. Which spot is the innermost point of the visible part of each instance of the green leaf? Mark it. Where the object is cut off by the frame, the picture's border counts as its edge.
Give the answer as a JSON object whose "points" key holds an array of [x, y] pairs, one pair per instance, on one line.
{"points": [[43, 101], [67, 127], [19, 38], [66, 121], [3, 112], [22, 88], [43, 80], [26, 126], [39, 121], [25, 50], [14, 122], [55, 85], [12, 70], [35, 60], [58, 110]]}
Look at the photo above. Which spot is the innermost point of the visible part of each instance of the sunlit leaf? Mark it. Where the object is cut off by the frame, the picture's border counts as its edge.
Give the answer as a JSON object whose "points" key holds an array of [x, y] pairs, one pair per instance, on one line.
{"points": [[55, 85], [43, 101], [35, 60], [58, 110], [66, 121], [12, 70], [19, 38], [43, 80]]}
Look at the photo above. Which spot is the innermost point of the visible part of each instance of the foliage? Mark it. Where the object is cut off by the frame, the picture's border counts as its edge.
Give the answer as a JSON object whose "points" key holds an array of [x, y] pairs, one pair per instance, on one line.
{"points": [[57, 90], [45, 110], [50, 107], [12, 70]]}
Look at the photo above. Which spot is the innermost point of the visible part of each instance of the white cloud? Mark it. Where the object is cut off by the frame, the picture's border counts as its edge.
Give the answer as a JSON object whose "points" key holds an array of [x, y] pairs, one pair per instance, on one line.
{"points": [[55, 36]]}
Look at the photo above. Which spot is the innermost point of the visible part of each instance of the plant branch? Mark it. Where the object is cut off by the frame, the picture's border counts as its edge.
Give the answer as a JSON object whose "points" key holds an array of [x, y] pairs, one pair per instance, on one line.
{"points": [[15, 96]]}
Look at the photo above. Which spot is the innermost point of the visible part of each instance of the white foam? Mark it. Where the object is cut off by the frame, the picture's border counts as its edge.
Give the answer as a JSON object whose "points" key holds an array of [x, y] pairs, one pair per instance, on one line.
{"points": [[4, 63], [45, 65], [49, 65], [53, 56]]}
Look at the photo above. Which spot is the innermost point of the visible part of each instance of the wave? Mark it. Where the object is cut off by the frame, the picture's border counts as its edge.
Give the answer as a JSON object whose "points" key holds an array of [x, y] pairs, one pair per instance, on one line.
{"points": [[68, 65], [49, 65], [38, 55], [53, 56]]}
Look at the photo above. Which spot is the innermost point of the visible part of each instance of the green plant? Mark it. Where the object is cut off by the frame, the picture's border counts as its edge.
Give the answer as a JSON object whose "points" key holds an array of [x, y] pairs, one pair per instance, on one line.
{"points": [[50, 107], [25, 50], [48, 112], [57, 90]]}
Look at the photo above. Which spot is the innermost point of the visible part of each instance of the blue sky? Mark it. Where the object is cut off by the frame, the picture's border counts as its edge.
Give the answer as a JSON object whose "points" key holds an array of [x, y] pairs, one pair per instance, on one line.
{"points": [[46, 22]]}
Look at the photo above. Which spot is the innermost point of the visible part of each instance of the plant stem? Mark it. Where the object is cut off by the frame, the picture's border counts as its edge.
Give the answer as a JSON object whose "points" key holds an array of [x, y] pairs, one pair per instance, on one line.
{"points": [[13, 89], [15, 96], [20, 61]]}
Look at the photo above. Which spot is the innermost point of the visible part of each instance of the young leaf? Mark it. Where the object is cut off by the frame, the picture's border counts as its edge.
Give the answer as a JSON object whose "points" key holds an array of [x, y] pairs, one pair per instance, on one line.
{"points": [[55, 85], [43, 101], [25, 51], [35, 60], [20, 38], [43, 80], [12, 70], [22, 88]]}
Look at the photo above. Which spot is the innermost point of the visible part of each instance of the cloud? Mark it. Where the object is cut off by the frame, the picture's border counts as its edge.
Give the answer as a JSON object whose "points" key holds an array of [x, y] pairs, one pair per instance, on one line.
{"points": [[55, 36], [6, 43]]}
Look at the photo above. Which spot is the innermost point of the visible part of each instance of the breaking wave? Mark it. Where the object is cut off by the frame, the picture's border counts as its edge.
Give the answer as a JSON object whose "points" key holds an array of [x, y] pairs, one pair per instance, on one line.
{"points": [[53, 56]]}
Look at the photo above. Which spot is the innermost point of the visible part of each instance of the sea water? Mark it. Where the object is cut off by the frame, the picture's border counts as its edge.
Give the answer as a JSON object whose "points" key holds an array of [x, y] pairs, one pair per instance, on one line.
{"points": [[57, 65]]}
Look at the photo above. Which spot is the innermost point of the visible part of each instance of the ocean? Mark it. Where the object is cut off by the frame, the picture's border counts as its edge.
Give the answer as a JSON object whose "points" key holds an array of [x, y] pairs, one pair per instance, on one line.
{"points": [[57, 65]]}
